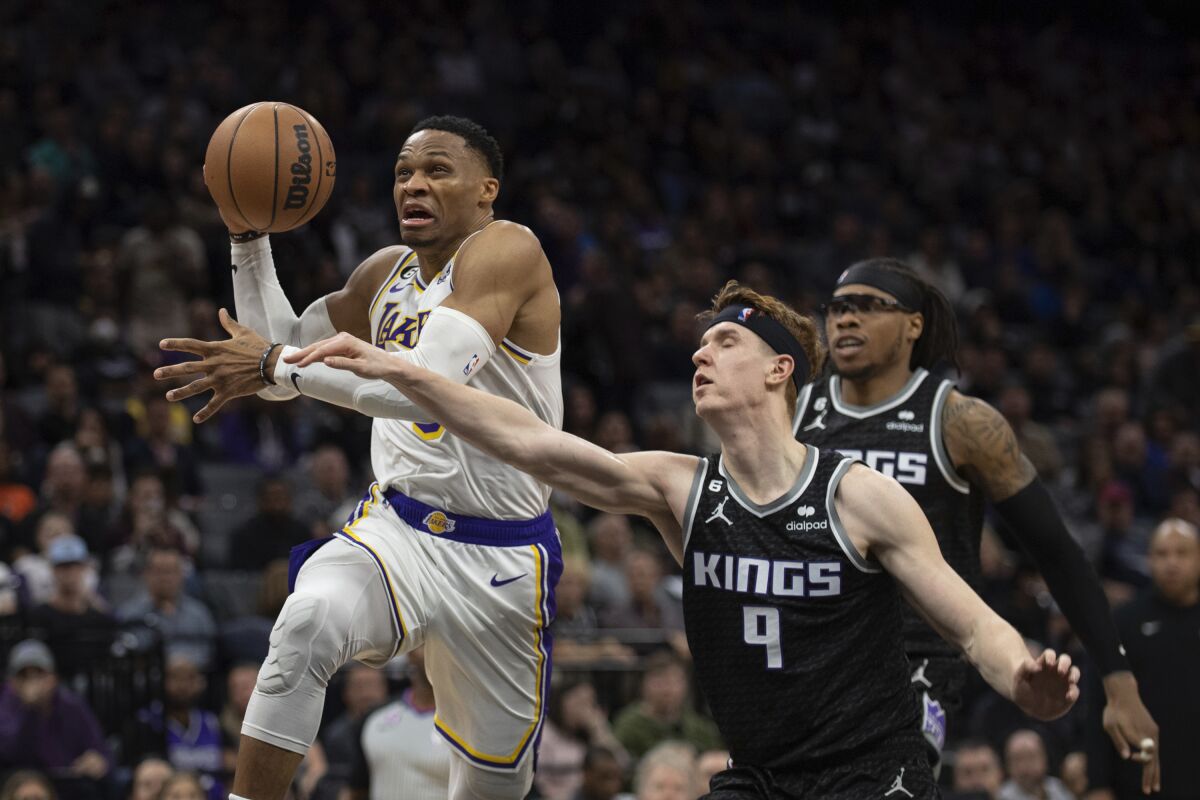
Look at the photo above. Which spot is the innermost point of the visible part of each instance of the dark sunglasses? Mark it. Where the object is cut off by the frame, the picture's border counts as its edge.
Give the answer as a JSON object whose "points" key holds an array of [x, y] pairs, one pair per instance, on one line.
{"points": [[861, 304]]}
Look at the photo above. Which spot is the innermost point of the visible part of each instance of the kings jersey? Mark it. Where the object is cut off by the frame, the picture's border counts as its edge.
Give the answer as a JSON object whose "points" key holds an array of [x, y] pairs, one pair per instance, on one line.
{"points": [[902, 438], [796, 636]]}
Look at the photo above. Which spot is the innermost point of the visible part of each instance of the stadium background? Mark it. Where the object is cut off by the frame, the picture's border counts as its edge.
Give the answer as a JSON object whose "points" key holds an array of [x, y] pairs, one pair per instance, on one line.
{"points": [[1041, 171]]}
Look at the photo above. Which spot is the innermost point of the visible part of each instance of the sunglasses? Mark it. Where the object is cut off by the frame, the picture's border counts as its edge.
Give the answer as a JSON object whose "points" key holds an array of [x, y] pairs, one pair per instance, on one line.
{"points": [[861, 304]]}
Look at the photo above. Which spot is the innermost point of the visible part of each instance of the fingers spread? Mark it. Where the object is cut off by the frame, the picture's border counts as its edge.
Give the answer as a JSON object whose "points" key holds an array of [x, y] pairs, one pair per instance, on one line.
{"points": [[191, 390], [180, 370], [194, 346], [231, 325]]}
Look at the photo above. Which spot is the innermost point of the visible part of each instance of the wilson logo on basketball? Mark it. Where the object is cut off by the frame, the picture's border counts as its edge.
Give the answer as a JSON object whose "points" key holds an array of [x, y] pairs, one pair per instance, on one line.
{"points": [[297, 194]]}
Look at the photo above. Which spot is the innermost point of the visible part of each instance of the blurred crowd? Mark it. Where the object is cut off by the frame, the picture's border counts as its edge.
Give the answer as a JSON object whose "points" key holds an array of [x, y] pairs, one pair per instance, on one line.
{"points": [[1042, 172]]}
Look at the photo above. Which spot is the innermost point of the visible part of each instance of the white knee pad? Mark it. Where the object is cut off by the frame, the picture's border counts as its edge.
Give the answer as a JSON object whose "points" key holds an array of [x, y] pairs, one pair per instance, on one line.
{"points": [[339, 610], [469, 782], [300, 641]]}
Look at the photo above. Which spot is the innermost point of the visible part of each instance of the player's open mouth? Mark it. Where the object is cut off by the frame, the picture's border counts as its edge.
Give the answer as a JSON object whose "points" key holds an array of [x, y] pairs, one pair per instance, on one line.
{"points": [[699, 381], [848, 345], [415, 217]]}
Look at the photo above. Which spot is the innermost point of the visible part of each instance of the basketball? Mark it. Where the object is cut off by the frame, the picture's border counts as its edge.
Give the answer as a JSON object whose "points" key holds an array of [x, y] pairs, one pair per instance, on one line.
{"points": [[270, 167]]}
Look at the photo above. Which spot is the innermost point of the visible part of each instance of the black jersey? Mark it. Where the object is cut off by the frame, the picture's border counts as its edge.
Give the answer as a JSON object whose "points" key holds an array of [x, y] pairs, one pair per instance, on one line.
{"points": [[796, 636], [902, 438]]}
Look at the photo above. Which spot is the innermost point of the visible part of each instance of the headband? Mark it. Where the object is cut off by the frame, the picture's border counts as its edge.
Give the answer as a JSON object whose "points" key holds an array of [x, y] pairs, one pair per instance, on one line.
{"points": [[904, 289], [777, 337]]}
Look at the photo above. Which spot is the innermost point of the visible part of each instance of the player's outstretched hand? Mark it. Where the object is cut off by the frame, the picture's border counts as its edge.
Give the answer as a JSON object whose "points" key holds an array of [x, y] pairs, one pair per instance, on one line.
{"points": [[1047, 686], [229, 368], [353, 354], [1133, 731]]}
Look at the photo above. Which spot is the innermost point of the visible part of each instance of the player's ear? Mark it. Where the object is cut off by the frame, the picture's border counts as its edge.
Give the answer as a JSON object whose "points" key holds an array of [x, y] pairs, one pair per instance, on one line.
{"points": [[491, 188], [916, 325], [781, 369]]}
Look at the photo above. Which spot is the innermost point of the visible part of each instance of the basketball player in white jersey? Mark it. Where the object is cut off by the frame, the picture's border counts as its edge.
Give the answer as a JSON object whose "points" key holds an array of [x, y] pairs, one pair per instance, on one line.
{"points": [[449, 548]]}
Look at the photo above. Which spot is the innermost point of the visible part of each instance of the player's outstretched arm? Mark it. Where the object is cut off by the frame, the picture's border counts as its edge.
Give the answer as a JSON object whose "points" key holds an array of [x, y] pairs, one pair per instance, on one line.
{"points": [[653, 484], [983, 445], [882, 518]]}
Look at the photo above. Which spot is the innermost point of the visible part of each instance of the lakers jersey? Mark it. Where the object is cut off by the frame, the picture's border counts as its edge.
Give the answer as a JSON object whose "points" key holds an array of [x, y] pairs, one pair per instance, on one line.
{"points": [[902, 438], [796, 635], [425, 461]]}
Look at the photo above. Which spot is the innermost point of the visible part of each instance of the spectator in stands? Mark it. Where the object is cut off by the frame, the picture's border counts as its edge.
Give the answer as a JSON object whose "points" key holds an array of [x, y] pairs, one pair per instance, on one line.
{"points": [[185, 624], [1074, 773], [57, 423], [664, 712], [1036, 440], [1025, 762], [183, 786], [148, 778], [27, 785], [247, 638], [574, 723], [239, 686], [1159, 630], [576, 634], [603, 776], [273, 530], [148, 521], [64, 481], [1123, 558], [977, 771], [708, 764], [10, 591], [72, 621], [158, 451], [650, 605], [16, 498], [192, 734], [34, 567], [665, 772], [326, 498], [611, 541], [363, 689], [44, 725], [397, 752]]}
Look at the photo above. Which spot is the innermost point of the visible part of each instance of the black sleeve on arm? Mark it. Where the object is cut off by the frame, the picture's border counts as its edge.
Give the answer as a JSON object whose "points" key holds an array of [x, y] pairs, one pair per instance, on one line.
{"points": [[1039, 528]]}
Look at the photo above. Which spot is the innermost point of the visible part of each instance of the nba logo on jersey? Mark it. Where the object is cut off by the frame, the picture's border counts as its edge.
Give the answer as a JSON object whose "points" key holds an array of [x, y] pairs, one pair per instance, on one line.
{"points": [[745, 314], [437, 522]]}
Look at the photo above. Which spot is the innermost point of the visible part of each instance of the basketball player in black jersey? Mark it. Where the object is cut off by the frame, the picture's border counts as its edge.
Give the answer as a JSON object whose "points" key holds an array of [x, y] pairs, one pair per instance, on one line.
{"points": [[886, 329], [795, 560]]}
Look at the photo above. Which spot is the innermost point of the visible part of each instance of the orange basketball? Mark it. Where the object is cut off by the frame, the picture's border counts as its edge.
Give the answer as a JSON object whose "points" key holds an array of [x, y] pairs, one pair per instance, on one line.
{"points": [[270, 167]]}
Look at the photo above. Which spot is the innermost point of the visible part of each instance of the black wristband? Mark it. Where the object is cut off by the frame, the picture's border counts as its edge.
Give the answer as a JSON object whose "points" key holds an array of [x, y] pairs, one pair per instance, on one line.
{"points": [[247, 236], [1037, 525], [262, 365]]}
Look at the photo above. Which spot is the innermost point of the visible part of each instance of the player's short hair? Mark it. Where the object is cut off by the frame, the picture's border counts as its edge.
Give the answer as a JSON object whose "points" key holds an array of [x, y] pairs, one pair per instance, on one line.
{"points": [[474, 134], [803, 328], [938, 342]]}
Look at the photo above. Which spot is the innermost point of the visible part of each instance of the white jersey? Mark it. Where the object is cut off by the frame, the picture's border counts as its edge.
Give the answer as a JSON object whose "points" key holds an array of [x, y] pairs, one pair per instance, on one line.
{"points": [[425, 461], [405, 757]]}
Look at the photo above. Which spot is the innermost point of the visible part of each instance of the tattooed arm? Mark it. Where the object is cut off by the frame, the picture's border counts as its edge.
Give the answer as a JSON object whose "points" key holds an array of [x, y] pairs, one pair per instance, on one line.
{"points": [[984, 449]]}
